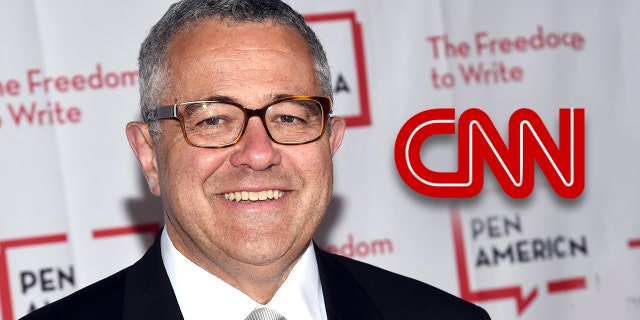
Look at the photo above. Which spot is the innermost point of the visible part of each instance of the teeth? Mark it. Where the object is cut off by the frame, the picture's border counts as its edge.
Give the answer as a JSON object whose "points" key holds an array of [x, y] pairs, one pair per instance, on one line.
{"points": [[253, 196]]}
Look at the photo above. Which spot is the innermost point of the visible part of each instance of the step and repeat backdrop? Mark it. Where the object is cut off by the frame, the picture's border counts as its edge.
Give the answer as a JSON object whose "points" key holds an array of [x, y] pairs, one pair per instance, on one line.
{"points": [[540, 218]]}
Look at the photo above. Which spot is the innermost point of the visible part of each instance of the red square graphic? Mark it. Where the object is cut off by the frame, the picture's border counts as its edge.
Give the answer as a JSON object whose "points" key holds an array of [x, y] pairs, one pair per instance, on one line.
{"points": [[362, 117], [5, 290]]}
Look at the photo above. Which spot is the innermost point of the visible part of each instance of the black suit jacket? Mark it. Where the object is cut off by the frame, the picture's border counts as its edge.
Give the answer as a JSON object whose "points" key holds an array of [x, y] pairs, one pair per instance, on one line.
{"points": [[352, 290]]}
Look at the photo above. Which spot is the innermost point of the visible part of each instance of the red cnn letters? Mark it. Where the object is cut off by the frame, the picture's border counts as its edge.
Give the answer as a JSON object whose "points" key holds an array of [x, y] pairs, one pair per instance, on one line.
{"points": [[479, 141]]}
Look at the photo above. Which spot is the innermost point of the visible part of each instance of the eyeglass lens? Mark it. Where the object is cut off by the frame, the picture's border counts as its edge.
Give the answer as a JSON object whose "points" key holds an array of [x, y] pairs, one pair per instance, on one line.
{"points": [[219, 123]]}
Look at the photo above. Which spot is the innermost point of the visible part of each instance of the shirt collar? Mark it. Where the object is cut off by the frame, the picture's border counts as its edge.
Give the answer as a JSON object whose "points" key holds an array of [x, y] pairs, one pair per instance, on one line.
{"points": [[201, 294]]}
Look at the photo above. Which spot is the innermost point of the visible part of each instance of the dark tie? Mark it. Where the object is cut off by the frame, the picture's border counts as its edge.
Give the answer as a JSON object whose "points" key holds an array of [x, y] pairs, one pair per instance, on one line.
{"points": [[264, 313]]}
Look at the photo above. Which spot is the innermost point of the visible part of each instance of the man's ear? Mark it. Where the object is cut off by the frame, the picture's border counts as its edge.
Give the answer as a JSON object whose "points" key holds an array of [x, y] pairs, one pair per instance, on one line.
{"points": [[142, 144], [338, 125]]}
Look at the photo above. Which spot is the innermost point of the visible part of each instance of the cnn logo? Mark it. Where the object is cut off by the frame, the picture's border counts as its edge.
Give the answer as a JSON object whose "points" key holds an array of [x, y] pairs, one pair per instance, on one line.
{"points": [[479, 142]]}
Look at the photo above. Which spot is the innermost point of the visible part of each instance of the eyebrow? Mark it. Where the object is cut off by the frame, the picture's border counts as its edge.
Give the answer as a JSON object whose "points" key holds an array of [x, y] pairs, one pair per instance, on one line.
{"points": [[223, 98]]}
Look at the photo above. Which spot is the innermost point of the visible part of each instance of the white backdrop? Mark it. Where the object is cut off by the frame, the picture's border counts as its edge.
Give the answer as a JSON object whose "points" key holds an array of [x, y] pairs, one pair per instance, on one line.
{"points": [[75, 208]]}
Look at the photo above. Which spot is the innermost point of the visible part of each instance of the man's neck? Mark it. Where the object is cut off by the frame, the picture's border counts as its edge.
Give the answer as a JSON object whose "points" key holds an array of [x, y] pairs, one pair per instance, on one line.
{"points": [[260, 282], [198, 291]]}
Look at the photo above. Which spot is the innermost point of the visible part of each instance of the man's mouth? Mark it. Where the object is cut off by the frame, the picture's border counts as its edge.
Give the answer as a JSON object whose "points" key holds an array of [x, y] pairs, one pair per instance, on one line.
{"points": [[253, 196]]}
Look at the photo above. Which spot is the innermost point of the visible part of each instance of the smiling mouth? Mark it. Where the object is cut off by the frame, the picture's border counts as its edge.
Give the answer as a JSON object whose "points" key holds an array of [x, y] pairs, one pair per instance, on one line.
{"points": [[253, 196]]}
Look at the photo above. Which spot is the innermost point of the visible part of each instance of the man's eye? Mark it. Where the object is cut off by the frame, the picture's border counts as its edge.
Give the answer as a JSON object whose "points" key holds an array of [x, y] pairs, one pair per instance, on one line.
{"points": [[289, 119], [213, 121]]}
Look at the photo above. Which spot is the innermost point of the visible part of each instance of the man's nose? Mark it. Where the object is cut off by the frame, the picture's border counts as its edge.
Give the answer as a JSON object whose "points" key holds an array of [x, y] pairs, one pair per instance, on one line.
{"points": [[255, 148]]}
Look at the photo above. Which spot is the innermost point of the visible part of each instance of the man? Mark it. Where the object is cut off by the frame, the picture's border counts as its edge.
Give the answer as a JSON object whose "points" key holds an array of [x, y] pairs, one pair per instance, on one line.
{"points": [[238, 142]]}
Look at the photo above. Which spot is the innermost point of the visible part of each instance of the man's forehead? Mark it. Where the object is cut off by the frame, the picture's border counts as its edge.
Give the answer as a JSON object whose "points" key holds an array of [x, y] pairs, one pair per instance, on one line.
{"points": [[222, 35], [232, 58], [231, 23], [219, 41]]}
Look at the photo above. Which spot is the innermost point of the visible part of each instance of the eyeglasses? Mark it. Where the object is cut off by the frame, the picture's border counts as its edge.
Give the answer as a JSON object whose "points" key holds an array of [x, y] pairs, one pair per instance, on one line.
{"points": [[218, 124]]}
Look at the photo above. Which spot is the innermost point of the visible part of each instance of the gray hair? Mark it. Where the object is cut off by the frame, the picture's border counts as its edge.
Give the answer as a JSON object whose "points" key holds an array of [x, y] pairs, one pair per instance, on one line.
{"points": [[154, 74]]}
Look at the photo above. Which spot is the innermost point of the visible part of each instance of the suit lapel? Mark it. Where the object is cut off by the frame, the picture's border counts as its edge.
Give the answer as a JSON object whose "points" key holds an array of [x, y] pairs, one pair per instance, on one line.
{"points": [[149, 295], [148, 291], [344, 297]]}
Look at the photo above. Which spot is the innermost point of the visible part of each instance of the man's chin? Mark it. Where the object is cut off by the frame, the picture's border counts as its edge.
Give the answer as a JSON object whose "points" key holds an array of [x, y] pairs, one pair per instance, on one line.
{"points": [[267, 253]]}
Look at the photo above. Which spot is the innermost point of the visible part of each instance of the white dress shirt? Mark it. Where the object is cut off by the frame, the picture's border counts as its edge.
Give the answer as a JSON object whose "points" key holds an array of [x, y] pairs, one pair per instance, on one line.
{"points": [[202, 295]]}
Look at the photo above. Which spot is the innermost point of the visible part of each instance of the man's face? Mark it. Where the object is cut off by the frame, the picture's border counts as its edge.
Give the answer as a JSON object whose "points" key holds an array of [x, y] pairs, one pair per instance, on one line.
{"points": [[251, 64]]}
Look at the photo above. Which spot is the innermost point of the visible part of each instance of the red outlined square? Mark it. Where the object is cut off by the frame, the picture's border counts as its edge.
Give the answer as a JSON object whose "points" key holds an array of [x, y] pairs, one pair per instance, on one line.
{"points": [[516, 292], [364, 117], [5, 289]]}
